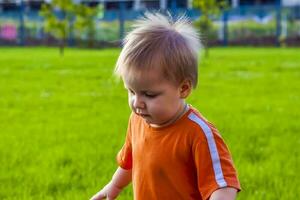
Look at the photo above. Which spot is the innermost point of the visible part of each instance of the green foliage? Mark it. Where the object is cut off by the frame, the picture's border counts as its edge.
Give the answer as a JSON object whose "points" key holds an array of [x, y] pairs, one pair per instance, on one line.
{"points": [[58, 18], [61, 17], [208, 9], [63, 120], [85, 21], [204, 23]]}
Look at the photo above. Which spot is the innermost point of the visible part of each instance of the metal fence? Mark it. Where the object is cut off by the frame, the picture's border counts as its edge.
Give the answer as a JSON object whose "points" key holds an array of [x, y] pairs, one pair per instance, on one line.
{"points": [[246, 25]]}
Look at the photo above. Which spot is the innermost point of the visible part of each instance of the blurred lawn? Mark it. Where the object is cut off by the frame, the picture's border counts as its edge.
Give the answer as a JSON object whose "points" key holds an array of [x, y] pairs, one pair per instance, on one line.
{"points": [[63, 119]]}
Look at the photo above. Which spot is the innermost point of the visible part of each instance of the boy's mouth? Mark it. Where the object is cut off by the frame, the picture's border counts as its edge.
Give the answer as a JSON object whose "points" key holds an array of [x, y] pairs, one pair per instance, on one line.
{"points": [[144, 115], [138, 112]]}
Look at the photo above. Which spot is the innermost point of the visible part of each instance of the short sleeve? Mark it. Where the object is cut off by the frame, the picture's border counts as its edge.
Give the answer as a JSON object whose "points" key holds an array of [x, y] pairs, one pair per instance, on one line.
{"points": [[215, 168], [124, 157]]}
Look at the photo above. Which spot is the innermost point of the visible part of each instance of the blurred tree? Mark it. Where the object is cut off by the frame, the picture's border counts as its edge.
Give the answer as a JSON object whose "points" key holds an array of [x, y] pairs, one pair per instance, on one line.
{"points": [[85, 21], [208, 9], [59, 16]]}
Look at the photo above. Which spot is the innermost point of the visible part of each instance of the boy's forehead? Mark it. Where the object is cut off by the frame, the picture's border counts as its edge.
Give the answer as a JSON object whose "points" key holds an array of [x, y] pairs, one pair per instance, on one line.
{"points": [[144, 73], [143, 79]]}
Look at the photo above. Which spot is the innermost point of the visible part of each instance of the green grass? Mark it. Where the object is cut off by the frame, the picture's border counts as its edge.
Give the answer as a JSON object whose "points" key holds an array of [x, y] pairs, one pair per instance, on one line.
{"points": [[63, 119]]}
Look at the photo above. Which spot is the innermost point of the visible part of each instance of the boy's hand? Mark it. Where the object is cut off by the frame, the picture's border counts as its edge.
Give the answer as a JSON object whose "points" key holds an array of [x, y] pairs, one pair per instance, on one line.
{"points": [[120, 179], [110, 192]]}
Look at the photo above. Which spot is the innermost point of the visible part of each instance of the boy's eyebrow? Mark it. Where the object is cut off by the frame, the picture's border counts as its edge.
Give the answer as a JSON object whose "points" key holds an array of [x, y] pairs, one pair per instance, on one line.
{"points": [[143, 91]]}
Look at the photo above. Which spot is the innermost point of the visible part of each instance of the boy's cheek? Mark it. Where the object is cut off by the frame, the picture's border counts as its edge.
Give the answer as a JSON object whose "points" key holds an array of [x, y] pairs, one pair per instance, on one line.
{"points": [[130, 100], [130, 103]]}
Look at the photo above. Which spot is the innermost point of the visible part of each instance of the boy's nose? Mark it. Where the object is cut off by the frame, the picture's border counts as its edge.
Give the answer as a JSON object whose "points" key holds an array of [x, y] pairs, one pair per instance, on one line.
{"points": [[138, 103]]}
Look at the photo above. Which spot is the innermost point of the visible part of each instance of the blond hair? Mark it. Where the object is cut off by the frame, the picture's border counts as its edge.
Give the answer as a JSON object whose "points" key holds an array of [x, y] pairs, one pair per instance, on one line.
{"points": [[159, 42]]}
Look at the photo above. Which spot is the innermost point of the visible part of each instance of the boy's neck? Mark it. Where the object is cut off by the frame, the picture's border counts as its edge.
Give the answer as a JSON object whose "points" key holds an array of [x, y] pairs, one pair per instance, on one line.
{"points": [[182, 111]]}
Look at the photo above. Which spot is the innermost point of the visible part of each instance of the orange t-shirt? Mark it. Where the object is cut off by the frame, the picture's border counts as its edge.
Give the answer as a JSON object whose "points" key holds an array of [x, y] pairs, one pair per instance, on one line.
{"points": [[185, 160]]}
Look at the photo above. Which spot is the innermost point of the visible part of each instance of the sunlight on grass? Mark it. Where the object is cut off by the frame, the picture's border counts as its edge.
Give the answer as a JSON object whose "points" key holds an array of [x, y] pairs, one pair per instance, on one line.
{"points": [[63, 119]]}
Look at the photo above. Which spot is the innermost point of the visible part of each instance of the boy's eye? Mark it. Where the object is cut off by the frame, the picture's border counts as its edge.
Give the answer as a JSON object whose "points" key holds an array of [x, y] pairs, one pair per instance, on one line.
{"points": [[150, 95], [131, 92]]}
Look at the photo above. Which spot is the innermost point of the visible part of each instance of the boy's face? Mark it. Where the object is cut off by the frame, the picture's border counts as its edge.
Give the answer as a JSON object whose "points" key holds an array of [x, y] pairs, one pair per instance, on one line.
{"points": [[156, 99]]}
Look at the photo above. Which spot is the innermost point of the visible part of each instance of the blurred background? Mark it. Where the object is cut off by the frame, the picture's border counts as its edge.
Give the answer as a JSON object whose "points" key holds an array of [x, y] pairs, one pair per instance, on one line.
{"points": [[100, 23]]}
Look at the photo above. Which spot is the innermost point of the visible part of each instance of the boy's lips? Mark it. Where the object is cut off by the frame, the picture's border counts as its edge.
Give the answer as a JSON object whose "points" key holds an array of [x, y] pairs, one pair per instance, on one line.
{"points": [[142, 114]]}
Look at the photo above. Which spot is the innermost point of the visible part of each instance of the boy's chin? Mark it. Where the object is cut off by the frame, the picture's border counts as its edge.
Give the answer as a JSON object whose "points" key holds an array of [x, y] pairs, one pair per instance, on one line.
{"points": [[155, 124], [148, 121], [151, 122]]}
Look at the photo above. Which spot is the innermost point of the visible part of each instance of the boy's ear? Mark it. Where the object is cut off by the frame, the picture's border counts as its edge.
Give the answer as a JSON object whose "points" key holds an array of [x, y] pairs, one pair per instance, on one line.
{"points": [[185, 88]]}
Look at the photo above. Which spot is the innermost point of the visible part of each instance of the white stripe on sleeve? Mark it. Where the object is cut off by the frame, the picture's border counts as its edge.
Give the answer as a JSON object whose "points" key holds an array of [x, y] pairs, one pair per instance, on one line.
{"points": [[212, 149]]}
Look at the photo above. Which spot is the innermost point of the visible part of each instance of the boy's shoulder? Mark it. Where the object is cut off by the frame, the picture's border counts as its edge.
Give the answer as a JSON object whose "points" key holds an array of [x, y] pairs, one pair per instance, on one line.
{"points": [[204, 128], [195, 117]]}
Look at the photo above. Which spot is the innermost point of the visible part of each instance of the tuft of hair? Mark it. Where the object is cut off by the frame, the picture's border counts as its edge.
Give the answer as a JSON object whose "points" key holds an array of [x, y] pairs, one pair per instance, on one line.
{"points": [[159, 42]]}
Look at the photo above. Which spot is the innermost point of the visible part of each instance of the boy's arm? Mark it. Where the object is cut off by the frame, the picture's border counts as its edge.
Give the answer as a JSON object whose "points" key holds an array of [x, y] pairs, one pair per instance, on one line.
{"points": [[227, 193], [120, 179]]}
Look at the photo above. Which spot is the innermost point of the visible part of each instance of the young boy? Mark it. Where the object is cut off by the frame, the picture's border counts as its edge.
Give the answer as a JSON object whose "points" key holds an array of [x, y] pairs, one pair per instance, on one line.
{"points": [[170, 152]]}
